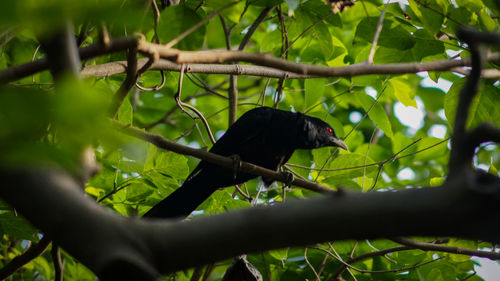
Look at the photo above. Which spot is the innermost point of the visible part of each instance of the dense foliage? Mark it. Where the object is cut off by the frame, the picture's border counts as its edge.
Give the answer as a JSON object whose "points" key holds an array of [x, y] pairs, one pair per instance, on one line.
{"points": [[40, 124]]}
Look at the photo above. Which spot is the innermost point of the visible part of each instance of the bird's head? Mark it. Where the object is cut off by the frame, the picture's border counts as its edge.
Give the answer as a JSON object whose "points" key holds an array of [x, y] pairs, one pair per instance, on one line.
{"points": [[318, 133]]}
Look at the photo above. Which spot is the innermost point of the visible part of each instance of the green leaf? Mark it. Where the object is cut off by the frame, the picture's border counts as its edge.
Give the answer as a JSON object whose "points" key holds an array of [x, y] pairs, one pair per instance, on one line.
{"points": [[280, 255], [125, 113], [376, 113], [486, 21], [432, 153], [314, 91], [137, 192], [436, 181], [177, 19], [403, 91], [392, 36], [493, 170], [324, 39], [347, 160], [400, 141], [17, 227], [431, 20], [472, 5], [220, 202], [172, 164], [484, 106], [265, 3]]}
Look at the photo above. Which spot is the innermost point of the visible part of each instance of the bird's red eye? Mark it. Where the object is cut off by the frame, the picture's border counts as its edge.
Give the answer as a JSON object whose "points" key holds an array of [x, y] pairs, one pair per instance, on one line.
{"points": [[329, 131]]}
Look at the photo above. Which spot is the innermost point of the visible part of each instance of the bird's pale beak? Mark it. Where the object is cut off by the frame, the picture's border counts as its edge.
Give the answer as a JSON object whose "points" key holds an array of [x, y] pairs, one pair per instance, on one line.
{"points": [[340, 143]]}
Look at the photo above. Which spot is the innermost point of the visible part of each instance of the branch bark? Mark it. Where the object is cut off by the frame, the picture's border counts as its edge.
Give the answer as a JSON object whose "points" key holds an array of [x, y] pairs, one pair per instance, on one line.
{"points": [[289, 70], [262, 59], [116, 247]]}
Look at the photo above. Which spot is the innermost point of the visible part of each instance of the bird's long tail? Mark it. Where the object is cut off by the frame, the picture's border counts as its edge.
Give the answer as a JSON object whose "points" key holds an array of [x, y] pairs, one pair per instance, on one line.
{"points": [[182, 201]]}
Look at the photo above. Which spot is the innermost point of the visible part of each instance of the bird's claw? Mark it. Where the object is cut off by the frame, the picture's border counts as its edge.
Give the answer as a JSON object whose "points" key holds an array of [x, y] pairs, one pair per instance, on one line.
{"points": [[289, 179], [236, 164]]}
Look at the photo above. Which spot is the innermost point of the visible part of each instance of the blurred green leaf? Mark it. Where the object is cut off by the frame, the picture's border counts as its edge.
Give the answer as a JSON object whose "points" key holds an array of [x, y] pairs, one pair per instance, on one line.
{"points": [[125, 113], [314, 91], [17, 227], [177, 19], [376, 113], [403, 92], [392, 35]]}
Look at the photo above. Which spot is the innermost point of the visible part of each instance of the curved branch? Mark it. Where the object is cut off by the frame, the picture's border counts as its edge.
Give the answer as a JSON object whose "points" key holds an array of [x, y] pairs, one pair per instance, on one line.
{"points": [[128, 84], [223, 56]]}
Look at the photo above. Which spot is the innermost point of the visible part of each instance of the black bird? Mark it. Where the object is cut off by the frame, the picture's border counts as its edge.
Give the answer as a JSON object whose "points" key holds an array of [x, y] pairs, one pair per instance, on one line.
{"points": [[263, 136]]}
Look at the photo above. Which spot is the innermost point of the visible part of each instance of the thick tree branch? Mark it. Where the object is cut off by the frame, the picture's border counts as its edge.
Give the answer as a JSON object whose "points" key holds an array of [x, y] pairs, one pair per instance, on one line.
{"points": [[98, 49], [62, 53], [126, 248]]}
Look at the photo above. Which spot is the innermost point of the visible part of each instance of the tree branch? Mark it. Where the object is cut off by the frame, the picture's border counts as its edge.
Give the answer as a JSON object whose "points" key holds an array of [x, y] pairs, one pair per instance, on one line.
{"points": [[120, 44], [425, 246], [266, 71], [222, 56], [98, 49], [461, 150], [133, 249], [33, 252], [128, 84], [118, 67]]}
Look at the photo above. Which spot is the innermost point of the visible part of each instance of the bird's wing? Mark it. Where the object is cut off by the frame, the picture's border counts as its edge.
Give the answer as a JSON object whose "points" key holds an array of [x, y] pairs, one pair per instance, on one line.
{"points": [[248, 128], [250, 125]]}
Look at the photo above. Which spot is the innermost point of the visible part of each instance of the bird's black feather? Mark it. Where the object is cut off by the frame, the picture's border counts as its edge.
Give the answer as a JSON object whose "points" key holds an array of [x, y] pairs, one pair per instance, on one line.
{"points": [[263, 136]]}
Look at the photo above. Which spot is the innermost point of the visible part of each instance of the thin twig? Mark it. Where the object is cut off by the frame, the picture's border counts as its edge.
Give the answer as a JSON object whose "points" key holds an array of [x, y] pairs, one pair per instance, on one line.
{"points": [[378, 30], [182, 105], [425, 246], [377, 254], [310, 265], [58, 263], [33, 252], [375, 271]]}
